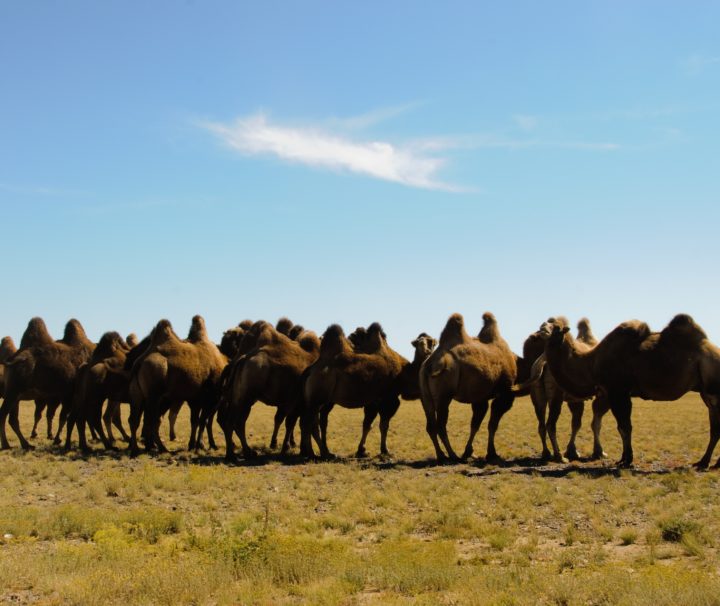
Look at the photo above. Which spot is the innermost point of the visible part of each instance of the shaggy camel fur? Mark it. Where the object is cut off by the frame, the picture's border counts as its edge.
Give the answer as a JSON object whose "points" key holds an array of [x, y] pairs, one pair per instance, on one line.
{"points": [[272, 373], [547, 393], [369, 379], [633, 361], [100, 379], [470, 371], [42, 369], [172, 371]]}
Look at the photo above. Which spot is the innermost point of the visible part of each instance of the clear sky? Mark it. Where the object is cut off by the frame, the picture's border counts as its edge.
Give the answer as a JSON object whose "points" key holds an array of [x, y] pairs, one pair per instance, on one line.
{"points": [[359, 161]]}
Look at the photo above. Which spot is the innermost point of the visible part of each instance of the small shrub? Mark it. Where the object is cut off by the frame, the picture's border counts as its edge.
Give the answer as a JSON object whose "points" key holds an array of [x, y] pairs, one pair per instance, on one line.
{"points": [[673, 529], [628, 536]]}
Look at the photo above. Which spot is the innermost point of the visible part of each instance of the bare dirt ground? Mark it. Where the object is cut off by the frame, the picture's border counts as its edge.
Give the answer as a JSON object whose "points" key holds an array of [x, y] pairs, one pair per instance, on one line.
{"points": [[185, 528]]}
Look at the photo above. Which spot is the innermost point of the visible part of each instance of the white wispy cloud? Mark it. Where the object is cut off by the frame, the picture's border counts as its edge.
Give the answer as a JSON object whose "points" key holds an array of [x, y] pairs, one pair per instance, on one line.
{"points": [[698, 63], [479, 141], [316, 147], [40, 190], [525, 121]]}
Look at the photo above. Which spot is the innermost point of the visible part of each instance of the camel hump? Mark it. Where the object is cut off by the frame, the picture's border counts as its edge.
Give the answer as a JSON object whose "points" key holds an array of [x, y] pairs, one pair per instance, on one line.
{"points": [[35, 334], [245, 324], [108, 344], [296, 331], [683, 327], [333, 341], [7, 348], [163, 333], [309, 341], [585, 333], [284, 325], [197, 331], [132, 340], [634, 328], [489, 333], [376, 337], [454, 332], [74, 334]]}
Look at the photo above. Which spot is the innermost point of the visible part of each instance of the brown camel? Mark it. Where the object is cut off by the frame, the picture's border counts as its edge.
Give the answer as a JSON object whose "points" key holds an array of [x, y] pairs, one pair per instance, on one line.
{"points": [[369, 379], [42, 369], [272, 373], [470, 371], [547, 393], [172, 371], [633, 361], [102, 378]]}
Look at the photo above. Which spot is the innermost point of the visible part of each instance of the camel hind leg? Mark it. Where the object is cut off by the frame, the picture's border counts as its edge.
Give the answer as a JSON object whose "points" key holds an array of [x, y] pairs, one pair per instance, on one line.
{"points": [[443, 412], [540, 404], [277, 423], [430, 407], [621, 407], [387, 412], [712, 404], [39, 408], [555, 407], [501, 404], [600, 406], [370, 411], [479, 410]]}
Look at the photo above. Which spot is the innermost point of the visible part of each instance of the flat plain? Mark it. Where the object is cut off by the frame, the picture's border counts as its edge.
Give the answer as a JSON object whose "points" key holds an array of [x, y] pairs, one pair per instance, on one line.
{"points": [[183, 528]]}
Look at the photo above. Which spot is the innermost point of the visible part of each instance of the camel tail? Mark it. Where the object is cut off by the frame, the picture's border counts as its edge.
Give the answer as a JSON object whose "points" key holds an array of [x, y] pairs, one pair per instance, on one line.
{"points": [[523, 389]]}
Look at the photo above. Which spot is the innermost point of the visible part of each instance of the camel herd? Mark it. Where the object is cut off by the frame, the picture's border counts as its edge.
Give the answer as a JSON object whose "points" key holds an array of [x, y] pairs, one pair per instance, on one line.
{"points": [[304, 376]]}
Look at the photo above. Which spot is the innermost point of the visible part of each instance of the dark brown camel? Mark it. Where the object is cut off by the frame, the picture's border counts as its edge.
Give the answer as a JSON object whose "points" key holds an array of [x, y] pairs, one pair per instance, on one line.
{"points": [[633, 361], [272, 373], [102, 378], [42, 369], [344, 376], [172, 371], [471, 371], [546, 393]]}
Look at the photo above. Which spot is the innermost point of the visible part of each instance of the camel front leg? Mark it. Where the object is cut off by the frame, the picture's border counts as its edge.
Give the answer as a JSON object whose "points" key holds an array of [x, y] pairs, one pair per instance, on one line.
{"points": [[277, 423], [553, 416], [577, 408], [539, 401], [443, 412]]}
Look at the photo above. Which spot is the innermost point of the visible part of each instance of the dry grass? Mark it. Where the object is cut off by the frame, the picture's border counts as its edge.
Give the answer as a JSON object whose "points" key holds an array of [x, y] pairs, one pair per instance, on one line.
{"points": [[182, 529]]}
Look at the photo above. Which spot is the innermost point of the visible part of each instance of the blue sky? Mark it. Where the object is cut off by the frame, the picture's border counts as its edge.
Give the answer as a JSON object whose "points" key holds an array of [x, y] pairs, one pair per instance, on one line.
{"points": [[352, 162]]}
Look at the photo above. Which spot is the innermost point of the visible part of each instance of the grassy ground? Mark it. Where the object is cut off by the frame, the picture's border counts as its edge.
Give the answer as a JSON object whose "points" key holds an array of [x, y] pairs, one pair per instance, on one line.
{"points": [[185, 529]]}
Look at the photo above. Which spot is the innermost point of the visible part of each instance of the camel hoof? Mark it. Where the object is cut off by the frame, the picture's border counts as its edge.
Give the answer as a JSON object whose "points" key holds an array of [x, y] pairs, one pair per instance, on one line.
{"points": [[494, 459], [572, 455], [717, 465], [28, 446], [328, 456], [250, 454], [546, 455], [597, 455], [4, 446], [560, 459], [623, 464], [273, 444], [33, 435], [361, 453]]}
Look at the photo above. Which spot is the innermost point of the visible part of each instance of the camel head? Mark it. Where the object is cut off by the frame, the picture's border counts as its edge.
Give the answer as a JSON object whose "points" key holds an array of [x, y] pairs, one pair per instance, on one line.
{"points": [[283, 326], [358, 338], [557, 334], [246, 324], [424, 345], [132, 340]]}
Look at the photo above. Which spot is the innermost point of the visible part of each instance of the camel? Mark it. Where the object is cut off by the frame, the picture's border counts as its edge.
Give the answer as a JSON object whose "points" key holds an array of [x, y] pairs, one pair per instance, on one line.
{"points": [[100, 379], [371, 378], [471, 371], [631, 361], [546, 392], [172, 371], [42, 369], [272, 373]]}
